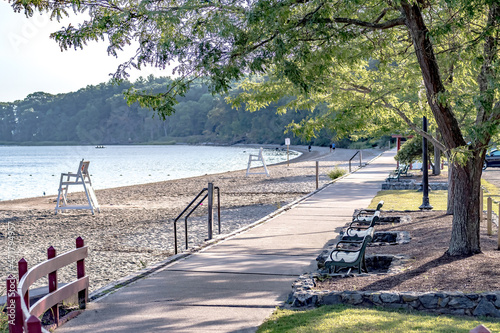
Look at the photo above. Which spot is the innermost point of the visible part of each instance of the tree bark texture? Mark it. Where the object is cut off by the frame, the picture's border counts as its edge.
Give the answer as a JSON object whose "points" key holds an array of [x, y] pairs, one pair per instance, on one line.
{"points": [[465, 227], [451, 184]]}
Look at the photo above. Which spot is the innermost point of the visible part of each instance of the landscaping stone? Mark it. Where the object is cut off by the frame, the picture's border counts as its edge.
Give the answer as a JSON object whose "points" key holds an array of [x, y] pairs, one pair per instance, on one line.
{"points": [[429, 301], [389, 297], [486, 308], [453, 303], [461, 302]]}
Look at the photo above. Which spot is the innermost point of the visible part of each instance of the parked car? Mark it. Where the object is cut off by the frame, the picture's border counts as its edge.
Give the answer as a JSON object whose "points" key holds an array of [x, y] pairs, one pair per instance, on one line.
{"points": [[492, 159]]}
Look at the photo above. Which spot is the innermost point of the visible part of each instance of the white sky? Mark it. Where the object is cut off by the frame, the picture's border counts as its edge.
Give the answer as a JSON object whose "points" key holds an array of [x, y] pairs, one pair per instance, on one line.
{"points": [[30, 61]]}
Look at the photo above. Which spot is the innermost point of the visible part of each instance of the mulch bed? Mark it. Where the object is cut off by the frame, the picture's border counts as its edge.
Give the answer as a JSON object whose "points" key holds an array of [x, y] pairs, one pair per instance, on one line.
{"points": [[429, 268]]}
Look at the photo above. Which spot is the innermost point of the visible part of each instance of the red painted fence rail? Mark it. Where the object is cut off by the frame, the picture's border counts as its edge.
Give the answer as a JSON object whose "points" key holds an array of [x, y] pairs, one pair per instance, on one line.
{"points": [[23, 317]]}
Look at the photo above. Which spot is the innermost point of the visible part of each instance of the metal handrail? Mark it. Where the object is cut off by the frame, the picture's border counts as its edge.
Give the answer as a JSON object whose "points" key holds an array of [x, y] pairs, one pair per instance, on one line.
{"points": [[192, 210], [360, 159]]}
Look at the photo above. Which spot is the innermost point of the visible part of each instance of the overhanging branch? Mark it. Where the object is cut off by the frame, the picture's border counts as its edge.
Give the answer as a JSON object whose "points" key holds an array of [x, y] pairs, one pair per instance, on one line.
{"points": [[414, 127]]}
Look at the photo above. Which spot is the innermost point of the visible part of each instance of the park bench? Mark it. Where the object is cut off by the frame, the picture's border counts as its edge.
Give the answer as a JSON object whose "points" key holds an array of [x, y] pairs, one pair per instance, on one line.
{"points": [[349, 254], [357, 231], [366, 215], [401, 171]]}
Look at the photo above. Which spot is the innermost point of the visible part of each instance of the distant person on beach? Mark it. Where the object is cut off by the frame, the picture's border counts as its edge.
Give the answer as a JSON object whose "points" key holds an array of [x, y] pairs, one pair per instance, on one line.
{"points": [[332, 146], [309, 148]]}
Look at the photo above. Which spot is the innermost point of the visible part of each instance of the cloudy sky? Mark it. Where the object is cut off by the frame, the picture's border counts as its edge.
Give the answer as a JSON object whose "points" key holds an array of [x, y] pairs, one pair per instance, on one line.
{"points": [[30, 61]]}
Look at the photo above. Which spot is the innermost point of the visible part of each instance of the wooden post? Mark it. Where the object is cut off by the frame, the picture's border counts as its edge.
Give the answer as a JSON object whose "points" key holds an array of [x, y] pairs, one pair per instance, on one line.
{"points": [[287, 155], [317, 174], [22, 268], [210, 209], [13, 306], [498, 227], [80, 272], [481, 204], [34, 325], [54, 313], [488, 216]]}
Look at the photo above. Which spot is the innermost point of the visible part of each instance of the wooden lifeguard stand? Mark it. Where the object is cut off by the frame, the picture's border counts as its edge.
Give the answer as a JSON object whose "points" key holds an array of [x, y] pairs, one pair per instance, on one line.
{"points": [[257, 158], [82, 178]]}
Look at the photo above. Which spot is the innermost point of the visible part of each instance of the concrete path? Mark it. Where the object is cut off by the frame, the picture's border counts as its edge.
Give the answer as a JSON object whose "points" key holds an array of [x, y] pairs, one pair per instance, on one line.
{"points": [[234, 285]]}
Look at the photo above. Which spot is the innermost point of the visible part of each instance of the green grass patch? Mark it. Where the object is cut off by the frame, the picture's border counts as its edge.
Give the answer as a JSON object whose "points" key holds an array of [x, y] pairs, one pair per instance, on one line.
{"points": [[409, 199], [4, 320], [336, 173], [341, 318]]}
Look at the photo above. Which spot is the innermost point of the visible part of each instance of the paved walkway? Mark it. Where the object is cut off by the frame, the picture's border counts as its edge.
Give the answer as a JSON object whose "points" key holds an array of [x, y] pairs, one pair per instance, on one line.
{"points": [[234, 285]]}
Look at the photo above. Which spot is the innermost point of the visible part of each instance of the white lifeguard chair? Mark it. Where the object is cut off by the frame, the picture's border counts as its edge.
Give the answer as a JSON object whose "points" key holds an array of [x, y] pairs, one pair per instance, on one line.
{"points": [[82, 178], [257, 158]]}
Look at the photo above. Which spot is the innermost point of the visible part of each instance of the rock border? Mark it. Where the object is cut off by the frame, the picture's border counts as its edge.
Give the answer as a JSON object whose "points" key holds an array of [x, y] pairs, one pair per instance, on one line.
{"points": [[485, 304]]}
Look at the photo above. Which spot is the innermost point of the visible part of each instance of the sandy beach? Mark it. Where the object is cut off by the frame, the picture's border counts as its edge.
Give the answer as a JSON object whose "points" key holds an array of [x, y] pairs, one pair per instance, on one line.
{"points": [[135, 226]]}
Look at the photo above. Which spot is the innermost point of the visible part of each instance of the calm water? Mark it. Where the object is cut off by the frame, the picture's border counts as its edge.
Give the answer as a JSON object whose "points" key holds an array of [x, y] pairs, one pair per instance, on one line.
{"points": [[30, 171]]}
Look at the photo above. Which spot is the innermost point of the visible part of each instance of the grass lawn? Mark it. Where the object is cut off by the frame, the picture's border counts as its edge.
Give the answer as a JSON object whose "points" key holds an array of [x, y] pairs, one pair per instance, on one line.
{"points": [[409, 199], [412, 199], [341, 318]]}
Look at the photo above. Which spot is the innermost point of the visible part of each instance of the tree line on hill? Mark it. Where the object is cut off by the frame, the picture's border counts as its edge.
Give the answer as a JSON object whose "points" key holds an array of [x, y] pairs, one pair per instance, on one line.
{"points": [[100, 115]]}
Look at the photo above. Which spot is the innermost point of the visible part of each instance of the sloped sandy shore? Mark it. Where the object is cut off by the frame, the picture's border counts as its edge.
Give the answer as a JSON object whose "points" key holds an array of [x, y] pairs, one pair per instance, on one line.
{"points": [[135, 226]]}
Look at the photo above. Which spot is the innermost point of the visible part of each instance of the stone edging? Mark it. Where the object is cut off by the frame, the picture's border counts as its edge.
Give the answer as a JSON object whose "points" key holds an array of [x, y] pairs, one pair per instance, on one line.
{"points": [[450, 303]]}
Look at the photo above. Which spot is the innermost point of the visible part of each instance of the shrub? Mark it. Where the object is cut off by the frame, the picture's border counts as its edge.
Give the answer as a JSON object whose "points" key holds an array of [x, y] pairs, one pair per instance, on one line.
{"points": [[336, 173]]}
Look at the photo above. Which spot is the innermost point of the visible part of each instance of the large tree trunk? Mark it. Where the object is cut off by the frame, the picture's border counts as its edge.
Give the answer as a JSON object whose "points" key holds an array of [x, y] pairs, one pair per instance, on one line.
{"points": [[465, 230]]}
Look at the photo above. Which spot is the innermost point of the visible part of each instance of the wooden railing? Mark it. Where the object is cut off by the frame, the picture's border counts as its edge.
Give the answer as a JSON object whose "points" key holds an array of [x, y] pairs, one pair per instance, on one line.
{"points": [[23, 317]]}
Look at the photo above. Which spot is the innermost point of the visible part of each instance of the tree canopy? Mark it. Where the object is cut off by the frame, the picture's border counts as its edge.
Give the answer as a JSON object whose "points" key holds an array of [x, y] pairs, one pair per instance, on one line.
{"points": [[368, 61], [99, 114]]}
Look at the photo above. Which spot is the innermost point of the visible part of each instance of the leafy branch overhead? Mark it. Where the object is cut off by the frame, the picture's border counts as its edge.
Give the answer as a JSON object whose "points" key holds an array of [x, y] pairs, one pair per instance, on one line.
{"points": [[375, 65]]}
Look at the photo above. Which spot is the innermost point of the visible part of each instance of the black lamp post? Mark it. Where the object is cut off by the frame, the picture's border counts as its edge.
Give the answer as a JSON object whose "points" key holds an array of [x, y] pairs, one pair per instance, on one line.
{"points": [[425, 172]]}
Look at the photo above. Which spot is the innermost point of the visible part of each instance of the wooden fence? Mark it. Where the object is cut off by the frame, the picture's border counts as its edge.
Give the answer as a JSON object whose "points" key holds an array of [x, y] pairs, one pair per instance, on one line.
{"points": [[23, 317]]}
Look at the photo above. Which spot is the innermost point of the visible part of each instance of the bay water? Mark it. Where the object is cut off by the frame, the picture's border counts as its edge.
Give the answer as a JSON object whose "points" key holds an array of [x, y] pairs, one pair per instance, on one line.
{"points": [[29, 171]]}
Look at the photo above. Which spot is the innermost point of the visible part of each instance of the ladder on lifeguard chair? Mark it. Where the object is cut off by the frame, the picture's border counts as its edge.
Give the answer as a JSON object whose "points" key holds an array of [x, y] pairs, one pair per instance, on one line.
{"points": [[82, 178], [258, 158]]}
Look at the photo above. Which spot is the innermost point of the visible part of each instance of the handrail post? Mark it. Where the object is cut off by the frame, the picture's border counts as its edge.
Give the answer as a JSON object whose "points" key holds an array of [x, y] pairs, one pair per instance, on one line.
{"points": [[34, 325], [218, 206], [489, 216], [210, 209], [360, 158], [54, 313], [80, 272], [22, 267], [317, 174], [175, 236], [180, 215], [13, 306]]}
